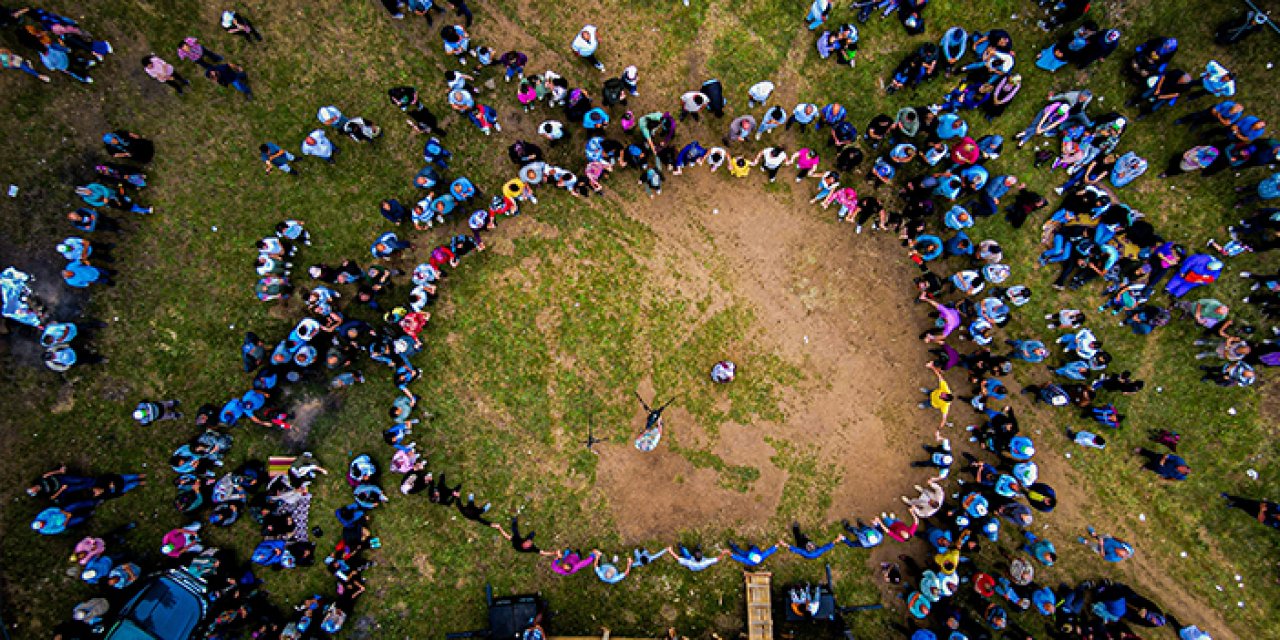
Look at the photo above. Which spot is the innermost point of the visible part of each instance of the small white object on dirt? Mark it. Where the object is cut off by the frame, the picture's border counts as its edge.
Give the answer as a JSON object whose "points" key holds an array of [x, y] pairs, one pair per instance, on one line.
{"points": [[806, 339], [1252, 473], [1231, 411], [1068, 455], [1159, 389], [1142, 517], [1183, 554], [715, 211], [213, 228]]}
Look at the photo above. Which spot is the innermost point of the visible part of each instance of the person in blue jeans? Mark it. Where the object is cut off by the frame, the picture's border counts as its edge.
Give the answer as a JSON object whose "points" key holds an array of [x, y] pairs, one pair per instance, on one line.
{"points": [[1040, 549], [59, 486], [55, 520], [231, 75], [1032, 351]]}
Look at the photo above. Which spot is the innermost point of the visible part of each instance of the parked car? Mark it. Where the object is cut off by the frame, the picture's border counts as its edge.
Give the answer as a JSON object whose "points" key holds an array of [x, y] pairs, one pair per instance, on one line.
{"points": [[169, 606]]}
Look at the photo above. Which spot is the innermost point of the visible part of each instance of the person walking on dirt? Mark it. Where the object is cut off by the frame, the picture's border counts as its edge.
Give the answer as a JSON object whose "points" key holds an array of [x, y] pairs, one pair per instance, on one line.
{"points": [[586, 44]]}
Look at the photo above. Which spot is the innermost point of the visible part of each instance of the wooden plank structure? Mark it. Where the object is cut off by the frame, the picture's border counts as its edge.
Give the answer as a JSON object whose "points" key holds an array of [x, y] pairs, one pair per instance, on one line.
{"points": [[759, 605]]}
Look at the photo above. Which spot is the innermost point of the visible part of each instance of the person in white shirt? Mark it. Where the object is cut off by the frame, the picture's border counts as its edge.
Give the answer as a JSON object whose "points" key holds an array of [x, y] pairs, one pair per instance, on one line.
{"points": [[691, 103], [759, 93], [585, 46]]}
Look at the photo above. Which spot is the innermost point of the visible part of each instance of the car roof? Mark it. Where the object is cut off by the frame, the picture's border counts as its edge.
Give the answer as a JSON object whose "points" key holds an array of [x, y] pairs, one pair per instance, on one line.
{"points": [[167, 609]]}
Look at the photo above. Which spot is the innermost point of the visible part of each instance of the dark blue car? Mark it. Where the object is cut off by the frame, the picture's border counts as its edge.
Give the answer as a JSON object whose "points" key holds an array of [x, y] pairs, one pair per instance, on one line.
{"points": [[170, 606]]}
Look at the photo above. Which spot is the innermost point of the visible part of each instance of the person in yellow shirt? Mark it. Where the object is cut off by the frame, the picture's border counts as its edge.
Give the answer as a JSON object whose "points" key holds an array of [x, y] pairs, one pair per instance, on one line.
{"points": [[739, 167], [939, 398]]}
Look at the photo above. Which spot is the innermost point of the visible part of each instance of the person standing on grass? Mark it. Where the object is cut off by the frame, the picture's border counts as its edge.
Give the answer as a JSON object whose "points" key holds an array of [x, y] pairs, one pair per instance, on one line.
{"points": [[568, 562], [56, 520], [1111, 549], [691, 103], [230, 75], [163, 72], [1264, 511], [608, 572], [191, 50], [273, 157], [804, 547], [939, 398], [317, 145], [237, 24], [11, 60], [522, 544], [586, 44], [1169, 466], [751, 557], [128, 146]]}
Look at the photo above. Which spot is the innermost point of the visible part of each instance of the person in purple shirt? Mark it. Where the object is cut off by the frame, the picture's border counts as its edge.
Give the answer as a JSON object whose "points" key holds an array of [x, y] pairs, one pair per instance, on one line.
{"points": [[568, 562], [1168, 466], [751, 557], [948, 321]]}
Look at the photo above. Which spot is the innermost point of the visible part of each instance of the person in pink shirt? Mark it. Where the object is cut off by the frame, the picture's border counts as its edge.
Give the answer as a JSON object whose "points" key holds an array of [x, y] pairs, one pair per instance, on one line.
{"points": [[182, 540], [805, 160], [846, 197], [895, 528], [162, 71], [568, 562]]}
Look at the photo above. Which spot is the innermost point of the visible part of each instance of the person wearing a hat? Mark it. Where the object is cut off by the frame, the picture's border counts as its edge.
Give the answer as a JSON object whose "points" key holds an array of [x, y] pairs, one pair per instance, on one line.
{"points": [[148, 412], [586, 44], [56, 520]]}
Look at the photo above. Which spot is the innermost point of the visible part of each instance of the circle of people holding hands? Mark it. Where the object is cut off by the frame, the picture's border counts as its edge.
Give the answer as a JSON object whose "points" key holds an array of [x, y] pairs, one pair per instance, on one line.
{"points": [[920, 174]]}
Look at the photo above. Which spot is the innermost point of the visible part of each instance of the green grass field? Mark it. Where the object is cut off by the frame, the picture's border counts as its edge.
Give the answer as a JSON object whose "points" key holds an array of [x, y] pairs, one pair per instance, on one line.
{"points": [[561, 318]]}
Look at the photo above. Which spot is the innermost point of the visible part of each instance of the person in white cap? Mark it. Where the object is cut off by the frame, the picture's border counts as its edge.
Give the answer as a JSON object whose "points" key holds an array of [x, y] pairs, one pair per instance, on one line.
{"points": [[585, 46], [148, 411], [631, 79], [238, 25]]}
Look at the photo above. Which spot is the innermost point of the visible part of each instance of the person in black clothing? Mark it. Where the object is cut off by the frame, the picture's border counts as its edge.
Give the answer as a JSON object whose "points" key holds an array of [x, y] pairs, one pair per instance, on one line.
{"points": [[522, 544], [522, 153], [1264, 511], [460, 8], [420, 118], [715, 97], [441, 494], [471, 511]]}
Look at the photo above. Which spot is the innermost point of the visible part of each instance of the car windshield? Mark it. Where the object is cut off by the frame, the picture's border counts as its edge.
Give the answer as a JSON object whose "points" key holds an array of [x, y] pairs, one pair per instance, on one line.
{"points": [[166, 610]]}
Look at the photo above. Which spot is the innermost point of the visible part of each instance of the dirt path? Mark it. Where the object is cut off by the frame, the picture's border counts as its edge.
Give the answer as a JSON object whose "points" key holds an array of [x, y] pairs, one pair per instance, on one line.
{"points": [[820, 295]]}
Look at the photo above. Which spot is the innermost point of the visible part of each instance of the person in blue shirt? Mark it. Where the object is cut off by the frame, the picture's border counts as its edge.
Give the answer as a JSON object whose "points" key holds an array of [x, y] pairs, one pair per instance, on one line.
{"points": [[1168, 466], [989, 198], [1225, 113], [1040, 548], [433, 152], [804, 547], [83, 219], [863, 536], [80, 275], [1111, 549], [387, 245], [1032, 351], [1249, 128], [318, 145], [273, 157], [751, 557], [608, 572], [55, 520]]}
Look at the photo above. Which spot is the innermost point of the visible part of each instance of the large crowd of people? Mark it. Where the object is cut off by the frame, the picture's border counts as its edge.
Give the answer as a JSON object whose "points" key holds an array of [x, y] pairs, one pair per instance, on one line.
{"points": [[925, 174]]}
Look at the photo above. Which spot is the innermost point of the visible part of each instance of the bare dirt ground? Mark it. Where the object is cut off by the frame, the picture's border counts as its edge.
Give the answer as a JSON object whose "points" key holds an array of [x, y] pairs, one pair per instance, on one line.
{"points": [[833, 303]]}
